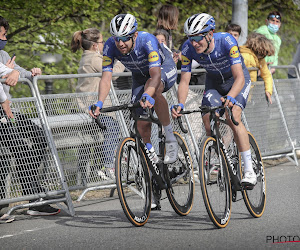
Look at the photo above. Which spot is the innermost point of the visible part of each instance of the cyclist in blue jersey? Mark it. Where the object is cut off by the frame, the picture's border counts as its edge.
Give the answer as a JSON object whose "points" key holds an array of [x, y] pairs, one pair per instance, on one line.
{"points": [[227, 78], [153, 72]]}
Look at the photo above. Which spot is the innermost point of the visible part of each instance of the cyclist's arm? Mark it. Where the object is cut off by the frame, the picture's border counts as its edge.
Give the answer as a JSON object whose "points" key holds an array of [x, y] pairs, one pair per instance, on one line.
{"points": [[239, 80], [154, 80], [104, 85], [183, 89]]}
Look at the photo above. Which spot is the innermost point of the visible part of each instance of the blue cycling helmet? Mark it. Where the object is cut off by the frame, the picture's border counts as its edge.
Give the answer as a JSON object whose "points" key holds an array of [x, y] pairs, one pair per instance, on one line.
{"points": [[123, 25], [199, 23]]}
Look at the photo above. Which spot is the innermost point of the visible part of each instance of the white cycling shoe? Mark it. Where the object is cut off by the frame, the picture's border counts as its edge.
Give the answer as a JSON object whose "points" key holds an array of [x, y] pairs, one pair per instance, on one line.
{"points": [[171, 152], [249, 179]]}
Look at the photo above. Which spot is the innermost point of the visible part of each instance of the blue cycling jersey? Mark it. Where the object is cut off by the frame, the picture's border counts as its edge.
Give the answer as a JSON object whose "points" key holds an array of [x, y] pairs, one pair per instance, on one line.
{"points": [[219, 61], [147, 53]]}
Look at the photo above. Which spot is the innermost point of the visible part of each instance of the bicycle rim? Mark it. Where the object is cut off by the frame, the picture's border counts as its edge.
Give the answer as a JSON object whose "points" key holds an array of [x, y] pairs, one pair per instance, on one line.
{"points": [[255, 199], [181, 175], [216, 189], [133, 183]]}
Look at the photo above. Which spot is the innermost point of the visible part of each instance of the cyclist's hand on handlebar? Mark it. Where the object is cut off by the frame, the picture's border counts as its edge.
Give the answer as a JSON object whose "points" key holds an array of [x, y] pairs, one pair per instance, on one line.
{"points": [[175, 109], [96, 112], [147, 101], [228, 101]]}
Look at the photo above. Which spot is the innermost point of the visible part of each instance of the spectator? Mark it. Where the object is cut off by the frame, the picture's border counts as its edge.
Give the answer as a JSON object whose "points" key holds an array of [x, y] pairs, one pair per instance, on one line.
{"points": [[168, 20], [256, 48], [91, 42], [295, 62], [273, 23], [234, 29], [163, 37], [15, 136]]}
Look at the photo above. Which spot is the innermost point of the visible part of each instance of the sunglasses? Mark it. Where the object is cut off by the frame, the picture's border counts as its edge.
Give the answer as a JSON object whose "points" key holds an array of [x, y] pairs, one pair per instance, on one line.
{"points": [[274, 16], [122, 38], [197, 38]]}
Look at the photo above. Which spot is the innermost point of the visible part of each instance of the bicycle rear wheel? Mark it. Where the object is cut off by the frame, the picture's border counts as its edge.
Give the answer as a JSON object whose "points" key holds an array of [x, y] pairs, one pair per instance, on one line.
{"points": [[215, 183], [255, 199], [133, 182], [181, 174]]}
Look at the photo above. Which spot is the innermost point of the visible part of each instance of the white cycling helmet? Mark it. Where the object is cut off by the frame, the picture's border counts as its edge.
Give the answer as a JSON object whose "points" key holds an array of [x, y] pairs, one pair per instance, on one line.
{"points": [[123, 25], [199, 23]]}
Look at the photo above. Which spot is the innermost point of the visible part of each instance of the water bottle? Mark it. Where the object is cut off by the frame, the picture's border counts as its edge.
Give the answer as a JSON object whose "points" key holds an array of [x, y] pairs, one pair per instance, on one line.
{"points": [[153, 156]]}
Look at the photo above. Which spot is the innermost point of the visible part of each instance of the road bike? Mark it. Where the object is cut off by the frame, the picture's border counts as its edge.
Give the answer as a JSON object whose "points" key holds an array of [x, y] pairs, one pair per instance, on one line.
{"points": [[221, 171], [138, 175]]}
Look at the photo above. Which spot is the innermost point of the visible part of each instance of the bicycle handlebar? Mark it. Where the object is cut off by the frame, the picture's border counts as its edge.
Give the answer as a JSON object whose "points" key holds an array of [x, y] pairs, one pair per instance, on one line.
{"points": [[205, 109], [129, 106]]}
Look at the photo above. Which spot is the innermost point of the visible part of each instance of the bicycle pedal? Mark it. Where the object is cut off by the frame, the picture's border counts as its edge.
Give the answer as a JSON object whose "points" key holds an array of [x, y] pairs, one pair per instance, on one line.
{"points": [[234, 197]]}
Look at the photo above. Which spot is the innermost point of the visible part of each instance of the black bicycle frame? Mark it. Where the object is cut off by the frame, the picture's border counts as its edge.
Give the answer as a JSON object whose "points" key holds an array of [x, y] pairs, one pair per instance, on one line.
{"points": [[232, 166], [157, 169]]}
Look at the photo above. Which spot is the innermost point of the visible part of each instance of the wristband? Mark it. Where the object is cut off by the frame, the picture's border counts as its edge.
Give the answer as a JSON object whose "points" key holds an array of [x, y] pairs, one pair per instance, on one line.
{"points": [[99, 104], [175, 106], [148, 98], [231, 99]]}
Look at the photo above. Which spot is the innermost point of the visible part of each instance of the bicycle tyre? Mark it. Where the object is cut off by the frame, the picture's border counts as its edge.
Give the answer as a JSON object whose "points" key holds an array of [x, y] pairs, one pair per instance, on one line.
{"points": [[181, 194], [216, 190], [133, 182], [255, 199]]}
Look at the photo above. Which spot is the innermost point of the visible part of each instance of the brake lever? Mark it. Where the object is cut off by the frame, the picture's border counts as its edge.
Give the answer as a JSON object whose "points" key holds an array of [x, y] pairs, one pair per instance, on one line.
{"points": [[97, 120]]}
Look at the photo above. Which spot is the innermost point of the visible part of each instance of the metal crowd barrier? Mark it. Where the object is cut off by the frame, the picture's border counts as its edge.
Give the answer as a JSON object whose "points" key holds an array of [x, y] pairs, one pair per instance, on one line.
{"points": [[29, 169], [81, 156]]}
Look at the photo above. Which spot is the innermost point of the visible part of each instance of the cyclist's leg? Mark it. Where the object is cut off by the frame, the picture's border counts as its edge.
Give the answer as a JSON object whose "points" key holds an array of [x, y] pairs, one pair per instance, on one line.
{"points": [[168, 79], [241, 136], [211, 98], [144, 128], [138, 84]]}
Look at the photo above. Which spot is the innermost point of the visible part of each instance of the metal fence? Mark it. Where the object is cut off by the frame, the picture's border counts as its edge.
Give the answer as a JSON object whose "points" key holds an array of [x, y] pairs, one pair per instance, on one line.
{"points": [[29, 169], [78, 155]]}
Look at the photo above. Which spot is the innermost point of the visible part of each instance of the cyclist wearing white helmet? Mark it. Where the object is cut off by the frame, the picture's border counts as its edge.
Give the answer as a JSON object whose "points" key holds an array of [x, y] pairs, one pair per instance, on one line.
{"points": [[227, 78], [153, 72]]}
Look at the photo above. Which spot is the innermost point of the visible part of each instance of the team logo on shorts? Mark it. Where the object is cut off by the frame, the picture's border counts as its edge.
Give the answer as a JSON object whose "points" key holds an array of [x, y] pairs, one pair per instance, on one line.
{"points": [[185, 60], [153, 56], [106, 61], [234, 52]]}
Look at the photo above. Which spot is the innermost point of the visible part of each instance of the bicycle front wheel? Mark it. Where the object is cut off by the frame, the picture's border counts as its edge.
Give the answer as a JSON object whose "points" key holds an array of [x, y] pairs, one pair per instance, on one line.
{"points": [[215, 182], [181, 174], [133, 182], [255, 199]]}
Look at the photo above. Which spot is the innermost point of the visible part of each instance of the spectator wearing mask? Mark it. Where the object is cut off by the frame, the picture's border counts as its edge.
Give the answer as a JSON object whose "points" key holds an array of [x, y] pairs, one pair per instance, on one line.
{"points": [[273, 23]]}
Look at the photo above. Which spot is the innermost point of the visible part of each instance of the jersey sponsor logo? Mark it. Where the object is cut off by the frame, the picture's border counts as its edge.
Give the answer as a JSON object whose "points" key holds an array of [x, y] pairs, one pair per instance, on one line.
{"points": [[106, 61], [185, 60], [106, 48], [171, 73], [185, 49], [149, 44], [153, 56], [234, 52], [228, 40]]}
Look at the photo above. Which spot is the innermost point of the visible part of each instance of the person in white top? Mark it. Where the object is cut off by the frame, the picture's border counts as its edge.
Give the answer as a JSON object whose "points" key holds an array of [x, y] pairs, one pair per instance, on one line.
{"points": [[12, 77]]}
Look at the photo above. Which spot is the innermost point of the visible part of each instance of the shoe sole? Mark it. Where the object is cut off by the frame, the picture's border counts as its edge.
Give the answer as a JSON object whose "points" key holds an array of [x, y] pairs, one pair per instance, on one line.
{"points": [[248, 184], [6, 219], [37, 213]]}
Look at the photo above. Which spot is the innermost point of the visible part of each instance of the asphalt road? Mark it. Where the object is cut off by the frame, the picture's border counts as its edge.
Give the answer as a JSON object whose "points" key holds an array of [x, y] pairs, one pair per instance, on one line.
{"points": [[101, 224]]}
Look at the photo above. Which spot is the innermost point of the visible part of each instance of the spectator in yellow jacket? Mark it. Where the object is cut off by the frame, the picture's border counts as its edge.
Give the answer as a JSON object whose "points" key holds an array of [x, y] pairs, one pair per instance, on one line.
{"points": [[256, 48]]}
